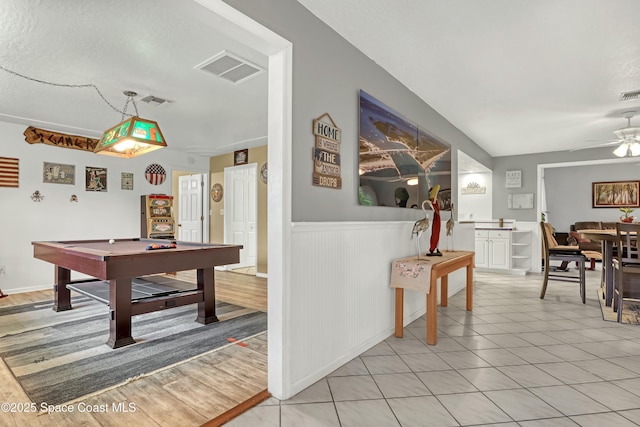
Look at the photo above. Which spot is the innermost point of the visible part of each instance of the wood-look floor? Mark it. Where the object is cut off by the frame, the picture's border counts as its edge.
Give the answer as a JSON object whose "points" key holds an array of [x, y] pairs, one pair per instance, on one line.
{"points": [[188, 394]]}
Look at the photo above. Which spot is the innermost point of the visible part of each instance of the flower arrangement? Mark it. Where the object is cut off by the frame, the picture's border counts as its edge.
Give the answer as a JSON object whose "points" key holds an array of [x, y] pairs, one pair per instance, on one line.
{"points": [[627, 217]]}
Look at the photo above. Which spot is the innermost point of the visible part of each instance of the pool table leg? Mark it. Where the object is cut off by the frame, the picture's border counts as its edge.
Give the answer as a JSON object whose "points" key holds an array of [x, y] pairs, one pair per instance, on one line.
{"points": [[120, 313], [61, 295], [207, 308]]}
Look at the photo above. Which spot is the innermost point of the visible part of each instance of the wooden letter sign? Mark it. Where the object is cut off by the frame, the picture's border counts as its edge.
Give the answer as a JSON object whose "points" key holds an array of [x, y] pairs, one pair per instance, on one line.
{"points": [[326, 153]]}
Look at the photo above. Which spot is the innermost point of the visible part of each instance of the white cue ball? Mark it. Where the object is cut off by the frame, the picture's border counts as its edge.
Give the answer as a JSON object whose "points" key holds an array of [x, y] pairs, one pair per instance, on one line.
{"points": [[111, 241]]}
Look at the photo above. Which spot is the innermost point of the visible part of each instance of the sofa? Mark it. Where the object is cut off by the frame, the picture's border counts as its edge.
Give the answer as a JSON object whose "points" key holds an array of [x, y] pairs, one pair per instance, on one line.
{"points": [[592, 249]]}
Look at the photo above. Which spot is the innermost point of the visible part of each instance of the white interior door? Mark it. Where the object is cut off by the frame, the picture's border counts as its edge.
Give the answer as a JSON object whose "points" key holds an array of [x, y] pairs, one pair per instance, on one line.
{"points": [[241, 211], [190, 216]]}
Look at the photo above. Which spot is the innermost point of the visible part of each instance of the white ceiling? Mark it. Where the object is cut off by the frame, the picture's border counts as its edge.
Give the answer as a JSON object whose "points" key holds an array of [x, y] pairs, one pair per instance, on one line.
{"points": [[517, 76], [147, 46]]}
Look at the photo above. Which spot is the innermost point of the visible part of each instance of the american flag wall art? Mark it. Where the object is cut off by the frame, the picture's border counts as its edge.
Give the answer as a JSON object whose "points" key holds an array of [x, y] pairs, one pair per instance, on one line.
{"points": [[155, 174], [9, 172]]}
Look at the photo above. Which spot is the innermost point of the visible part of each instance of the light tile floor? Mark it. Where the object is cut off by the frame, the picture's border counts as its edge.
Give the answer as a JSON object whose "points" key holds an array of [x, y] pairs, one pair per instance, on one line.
{"points": [[516, 360]]}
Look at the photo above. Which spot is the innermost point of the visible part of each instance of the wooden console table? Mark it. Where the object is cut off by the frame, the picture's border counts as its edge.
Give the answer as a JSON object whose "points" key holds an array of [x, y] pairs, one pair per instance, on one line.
{"points": [[422, 275]]}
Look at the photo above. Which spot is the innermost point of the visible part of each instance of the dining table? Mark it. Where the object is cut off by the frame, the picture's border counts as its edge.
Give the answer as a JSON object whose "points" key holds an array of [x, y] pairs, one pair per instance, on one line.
{"points": [[608, 237]]}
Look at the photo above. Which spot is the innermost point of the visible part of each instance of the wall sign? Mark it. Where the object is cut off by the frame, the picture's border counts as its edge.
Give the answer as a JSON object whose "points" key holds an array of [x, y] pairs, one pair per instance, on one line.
{"points": [[126, 181], [326, 153], [473, 188], [513, 179], [35, 136]]}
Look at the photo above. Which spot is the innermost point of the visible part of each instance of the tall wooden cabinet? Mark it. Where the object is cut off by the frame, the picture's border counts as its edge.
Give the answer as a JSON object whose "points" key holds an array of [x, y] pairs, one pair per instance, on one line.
{"points": [[156, 219]]}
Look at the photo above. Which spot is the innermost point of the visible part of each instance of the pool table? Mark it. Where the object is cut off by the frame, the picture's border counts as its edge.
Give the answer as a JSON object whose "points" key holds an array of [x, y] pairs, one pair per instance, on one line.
{"points": [[125, 259]]}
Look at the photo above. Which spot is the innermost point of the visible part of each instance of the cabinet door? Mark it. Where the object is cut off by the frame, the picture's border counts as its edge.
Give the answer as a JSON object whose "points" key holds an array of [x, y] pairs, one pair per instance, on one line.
{"points": [[499, 253], [481, 258]]}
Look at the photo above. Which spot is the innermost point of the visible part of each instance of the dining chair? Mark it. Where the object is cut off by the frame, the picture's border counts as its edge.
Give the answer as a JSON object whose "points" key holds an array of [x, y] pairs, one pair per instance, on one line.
{"points": [[551, 251], [626, 265]]}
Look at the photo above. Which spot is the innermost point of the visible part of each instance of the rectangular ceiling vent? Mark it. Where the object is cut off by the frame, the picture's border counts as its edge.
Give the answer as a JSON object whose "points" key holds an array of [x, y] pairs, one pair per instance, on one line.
{"points": [[155, 100], [230, 67], [630, 96]]}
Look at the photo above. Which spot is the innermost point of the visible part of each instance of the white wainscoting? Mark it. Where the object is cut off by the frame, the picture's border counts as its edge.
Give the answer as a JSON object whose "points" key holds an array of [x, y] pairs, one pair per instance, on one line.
{"points": [[340, 303]]}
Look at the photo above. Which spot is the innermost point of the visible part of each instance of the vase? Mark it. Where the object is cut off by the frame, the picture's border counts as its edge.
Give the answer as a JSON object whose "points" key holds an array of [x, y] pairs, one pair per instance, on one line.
{"points": [[626, 219]]}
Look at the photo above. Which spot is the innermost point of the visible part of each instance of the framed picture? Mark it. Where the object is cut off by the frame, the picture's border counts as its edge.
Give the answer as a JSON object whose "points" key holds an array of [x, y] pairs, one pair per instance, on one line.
{"points": [[399, 161], [615, 194], [126, 181], [240, 157], [56, 173], [96, 179], [520, 201]]}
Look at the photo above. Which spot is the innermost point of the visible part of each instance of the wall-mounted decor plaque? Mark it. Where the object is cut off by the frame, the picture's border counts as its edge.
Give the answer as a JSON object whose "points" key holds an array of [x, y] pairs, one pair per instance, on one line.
{"points": [[520, 201], [126, 181], [513, 179], [473, 188], [326, 153], [56, 173]]}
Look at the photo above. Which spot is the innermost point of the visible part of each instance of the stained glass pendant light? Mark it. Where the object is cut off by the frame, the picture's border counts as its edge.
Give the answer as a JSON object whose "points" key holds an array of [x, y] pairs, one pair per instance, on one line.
{"points": [[131, 137]]}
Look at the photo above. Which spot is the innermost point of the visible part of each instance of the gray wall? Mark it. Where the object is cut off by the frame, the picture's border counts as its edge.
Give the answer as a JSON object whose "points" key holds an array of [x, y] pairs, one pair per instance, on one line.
{"points": [[328, 73], [568, 192], [529, 165]]}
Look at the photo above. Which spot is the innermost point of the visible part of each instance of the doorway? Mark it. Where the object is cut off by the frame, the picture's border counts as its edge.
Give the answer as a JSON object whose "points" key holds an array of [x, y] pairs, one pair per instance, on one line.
{"points": [[241, 212], [191, 218]]}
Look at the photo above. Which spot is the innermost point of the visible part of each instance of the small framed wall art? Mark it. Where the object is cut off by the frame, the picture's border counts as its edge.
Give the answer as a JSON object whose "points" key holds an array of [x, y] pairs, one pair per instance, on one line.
{"points": [[57, 173], [155, 174], [126, 181], [520, 201], [96, 179], [513, 179], [240, 157]]}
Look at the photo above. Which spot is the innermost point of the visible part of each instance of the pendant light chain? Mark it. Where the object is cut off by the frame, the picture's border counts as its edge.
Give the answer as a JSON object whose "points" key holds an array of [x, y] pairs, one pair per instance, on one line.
{"points": [[91, 85], [130, 96]]}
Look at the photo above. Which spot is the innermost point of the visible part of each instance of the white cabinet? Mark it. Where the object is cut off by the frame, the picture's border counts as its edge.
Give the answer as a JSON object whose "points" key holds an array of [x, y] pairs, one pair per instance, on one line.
{"points": [[499, 250], [482, 248], [503, 250]]}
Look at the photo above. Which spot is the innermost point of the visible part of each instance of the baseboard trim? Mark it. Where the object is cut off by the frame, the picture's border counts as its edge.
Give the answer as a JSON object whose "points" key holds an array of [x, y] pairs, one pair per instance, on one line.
{"points": [[238, 409]]}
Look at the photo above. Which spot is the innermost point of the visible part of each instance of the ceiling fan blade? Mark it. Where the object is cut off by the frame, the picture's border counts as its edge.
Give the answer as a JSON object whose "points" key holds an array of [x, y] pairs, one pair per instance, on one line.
{"points": [[604, 144]]}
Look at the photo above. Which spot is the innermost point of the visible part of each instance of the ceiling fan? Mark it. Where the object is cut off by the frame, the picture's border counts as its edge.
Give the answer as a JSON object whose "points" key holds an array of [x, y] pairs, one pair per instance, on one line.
{"points": [[628, 139]]}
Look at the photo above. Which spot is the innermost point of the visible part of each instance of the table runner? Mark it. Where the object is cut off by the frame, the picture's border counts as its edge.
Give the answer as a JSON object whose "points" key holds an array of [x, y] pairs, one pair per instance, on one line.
{"points": [[414, 274]]}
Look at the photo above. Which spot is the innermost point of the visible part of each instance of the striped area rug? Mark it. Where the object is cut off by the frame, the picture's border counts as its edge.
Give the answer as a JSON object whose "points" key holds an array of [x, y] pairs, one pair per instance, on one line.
{"points": [[60, 357]]}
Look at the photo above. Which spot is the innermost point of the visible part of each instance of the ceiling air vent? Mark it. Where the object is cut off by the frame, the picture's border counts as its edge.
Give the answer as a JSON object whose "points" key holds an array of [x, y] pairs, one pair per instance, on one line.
{"points": [[155, 101], [230, 67], [630, 96]]}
